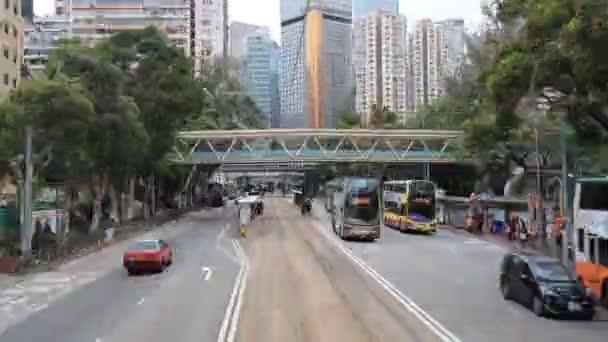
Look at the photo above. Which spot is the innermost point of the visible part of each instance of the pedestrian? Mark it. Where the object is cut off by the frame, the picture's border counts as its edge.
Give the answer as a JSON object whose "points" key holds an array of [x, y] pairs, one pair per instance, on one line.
{"points": [[558, 228], [523, 232], [510, 228]]}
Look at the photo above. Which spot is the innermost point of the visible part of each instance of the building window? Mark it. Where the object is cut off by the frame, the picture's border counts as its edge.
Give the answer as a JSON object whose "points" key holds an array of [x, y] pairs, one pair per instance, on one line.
{"points": [[6, 28], [5, 79], [15, 31], [6, 52], [14, 83], [7, 4]]}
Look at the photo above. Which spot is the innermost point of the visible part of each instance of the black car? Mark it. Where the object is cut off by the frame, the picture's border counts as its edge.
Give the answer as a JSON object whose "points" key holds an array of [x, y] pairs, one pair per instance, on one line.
{"points": [[544, 285]]}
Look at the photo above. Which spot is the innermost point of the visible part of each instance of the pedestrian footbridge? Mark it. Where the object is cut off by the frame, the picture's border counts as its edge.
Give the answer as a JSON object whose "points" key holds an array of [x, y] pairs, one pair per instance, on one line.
{"points": [[312, 146]]}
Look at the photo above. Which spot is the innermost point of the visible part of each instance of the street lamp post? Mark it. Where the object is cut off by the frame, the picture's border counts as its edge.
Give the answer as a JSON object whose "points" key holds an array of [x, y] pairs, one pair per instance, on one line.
{"points": [[26, 224], [567, 235]]}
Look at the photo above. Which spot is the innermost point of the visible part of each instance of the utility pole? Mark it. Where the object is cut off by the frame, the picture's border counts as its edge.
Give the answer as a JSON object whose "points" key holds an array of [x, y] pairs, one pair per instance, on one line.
{"points": [[26, 224], [567, 228]]}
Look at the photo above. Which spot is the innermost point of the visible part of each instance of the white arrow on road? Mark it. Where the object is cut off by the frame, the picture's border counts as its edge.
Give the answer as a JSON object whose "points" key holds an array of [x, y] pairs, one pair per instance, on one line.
{"points": [[207, 272]]}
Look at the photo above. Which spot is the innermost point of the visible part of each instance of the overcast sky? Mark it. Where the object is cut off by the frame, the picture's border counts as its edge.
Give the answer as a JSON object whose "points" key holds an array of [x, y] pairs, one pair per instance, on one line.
{"points": [[266, 12]]}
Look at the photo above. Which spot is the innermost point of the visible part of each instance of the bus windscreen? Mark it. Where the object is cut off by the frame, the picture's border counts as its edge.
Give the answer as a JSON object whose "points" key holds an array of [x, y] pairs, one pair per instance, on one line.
{"points": [[593, 196], [362, 205], [421, 201]]}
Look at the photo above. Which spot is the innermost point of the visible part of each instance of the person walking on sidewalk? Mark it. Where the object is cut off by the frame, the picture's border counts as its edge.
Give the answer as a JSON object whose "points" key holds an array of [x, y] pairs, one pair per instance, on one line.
{"points": [[523, 231], [511, 227]]}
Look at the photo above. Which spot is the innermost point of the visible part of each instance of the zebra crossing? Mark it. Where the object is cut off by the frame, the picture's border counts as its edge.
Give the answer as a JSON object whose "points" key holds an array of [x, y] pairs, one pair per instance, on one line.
{"points": [[33, 294]]}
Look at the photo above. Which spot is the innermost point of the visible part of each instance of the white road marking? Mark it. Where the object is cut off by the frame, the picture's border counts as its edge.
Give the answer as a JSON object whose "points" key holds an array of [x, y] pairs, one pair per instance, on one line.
{"points": [[438, 329], [237, 310], [98, 340], [207, 272], [141, 301], [232, 302], [221, 248], [476, 242]]}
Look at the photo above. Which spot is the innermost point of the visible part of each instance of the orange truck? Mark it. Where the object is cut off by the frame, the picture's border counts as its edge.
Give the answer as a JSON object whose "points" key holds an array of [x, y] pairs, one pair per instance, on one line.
{"points": [[590, 220]]}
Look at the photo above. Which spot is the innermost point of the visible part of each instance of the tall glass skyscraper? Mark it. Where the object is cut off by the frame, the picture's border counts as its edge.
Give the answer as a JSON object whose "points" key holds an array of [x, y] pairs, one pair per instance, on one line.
{"points": [[365, 7], [315, 67], [257, 67], [275, 103]]}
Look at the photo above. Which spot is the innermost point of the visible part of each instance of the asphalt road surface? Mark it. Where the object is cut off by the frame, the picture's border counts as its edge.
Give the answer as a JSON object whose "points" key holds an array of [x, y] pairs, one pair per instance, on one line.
{"points": [[301, 287], [453, 277], [184, 303], [292, 280]]}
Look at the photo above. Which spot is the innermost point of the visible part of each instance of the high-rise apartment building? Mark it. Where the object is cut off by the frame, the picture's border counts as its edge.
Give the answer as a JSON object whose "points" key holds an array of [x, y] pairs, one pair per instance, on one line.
{"points": [[363, 8], [257, 77], [63, 7], [275, 112], [27, 10], [11, 38], [97, 19], [428, 55], [40, 37], [410, 106], [453, 32], [209, 34], [315, 68], [381, 67], [239, 32]]}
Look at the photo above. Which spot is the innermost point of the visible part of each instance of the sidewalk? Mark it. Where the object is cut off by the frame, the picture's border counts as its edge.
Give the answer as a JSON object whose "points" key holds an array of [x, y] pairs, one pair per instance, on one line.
{"points": [[540, 246]]}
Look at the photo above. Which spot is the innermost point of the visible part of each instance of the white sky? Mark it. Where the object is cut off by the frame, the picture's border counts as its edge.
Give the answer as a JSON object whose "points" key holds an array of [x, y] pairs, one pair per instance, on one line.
{"points": [[266, 12]]}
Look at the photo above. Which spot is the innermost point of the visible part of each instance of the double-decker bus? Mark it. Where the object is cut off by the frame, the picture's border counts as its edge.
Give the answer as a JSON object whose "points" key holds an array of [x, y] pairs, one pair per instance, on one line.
{"points": [[409, 205], [356, 208], [590, 221]]}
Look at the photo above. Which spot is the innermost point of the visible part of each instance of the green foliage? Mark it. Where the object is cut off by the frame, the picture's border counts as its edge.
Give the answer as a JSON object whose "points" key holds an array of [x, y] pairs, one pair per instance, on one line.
{"points": [[347, 120], [222, 105], [326, 172], [60, 117], [114, 109], [534, 45]]}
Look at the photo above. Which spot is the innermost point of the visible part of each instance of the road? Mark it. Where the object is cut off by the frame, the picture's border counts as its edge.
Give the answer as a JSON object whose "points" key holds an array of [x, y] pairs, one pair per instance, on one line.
{"points": [[178, 303], [293, 280], [303, 289], [453, 277]]}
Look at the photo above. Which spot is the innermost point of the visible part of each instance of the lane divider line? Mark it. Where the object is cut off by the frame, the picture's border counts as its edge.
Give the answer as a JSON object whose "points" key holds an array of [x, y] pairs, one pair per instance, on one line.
{"points": [[234, 302], [218, 244], [444, 334], [239, 302]]}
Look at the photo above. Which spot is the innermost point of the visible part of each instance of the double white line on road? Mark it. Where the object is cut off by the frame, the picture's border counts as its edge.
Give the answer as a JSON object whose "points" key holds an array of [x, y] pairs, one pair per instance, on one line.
{"points": [[436, 327], [233, 311]]}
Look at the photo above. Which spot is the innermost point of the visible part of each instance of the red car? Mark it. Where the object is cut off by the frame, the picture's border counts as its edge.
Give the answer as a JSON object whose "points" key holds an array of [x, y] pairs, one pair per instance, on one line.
{"points": [[144, 255]]}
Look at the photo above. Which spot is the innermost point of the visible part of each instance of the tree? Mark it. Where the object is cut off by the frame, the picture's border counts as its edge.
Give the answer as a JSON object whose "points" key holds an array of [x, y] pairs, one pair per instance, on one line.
{"points": [[223, 105], [560, 47], [347, 120], [382, 117], [60, 116], [117, 144]]}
